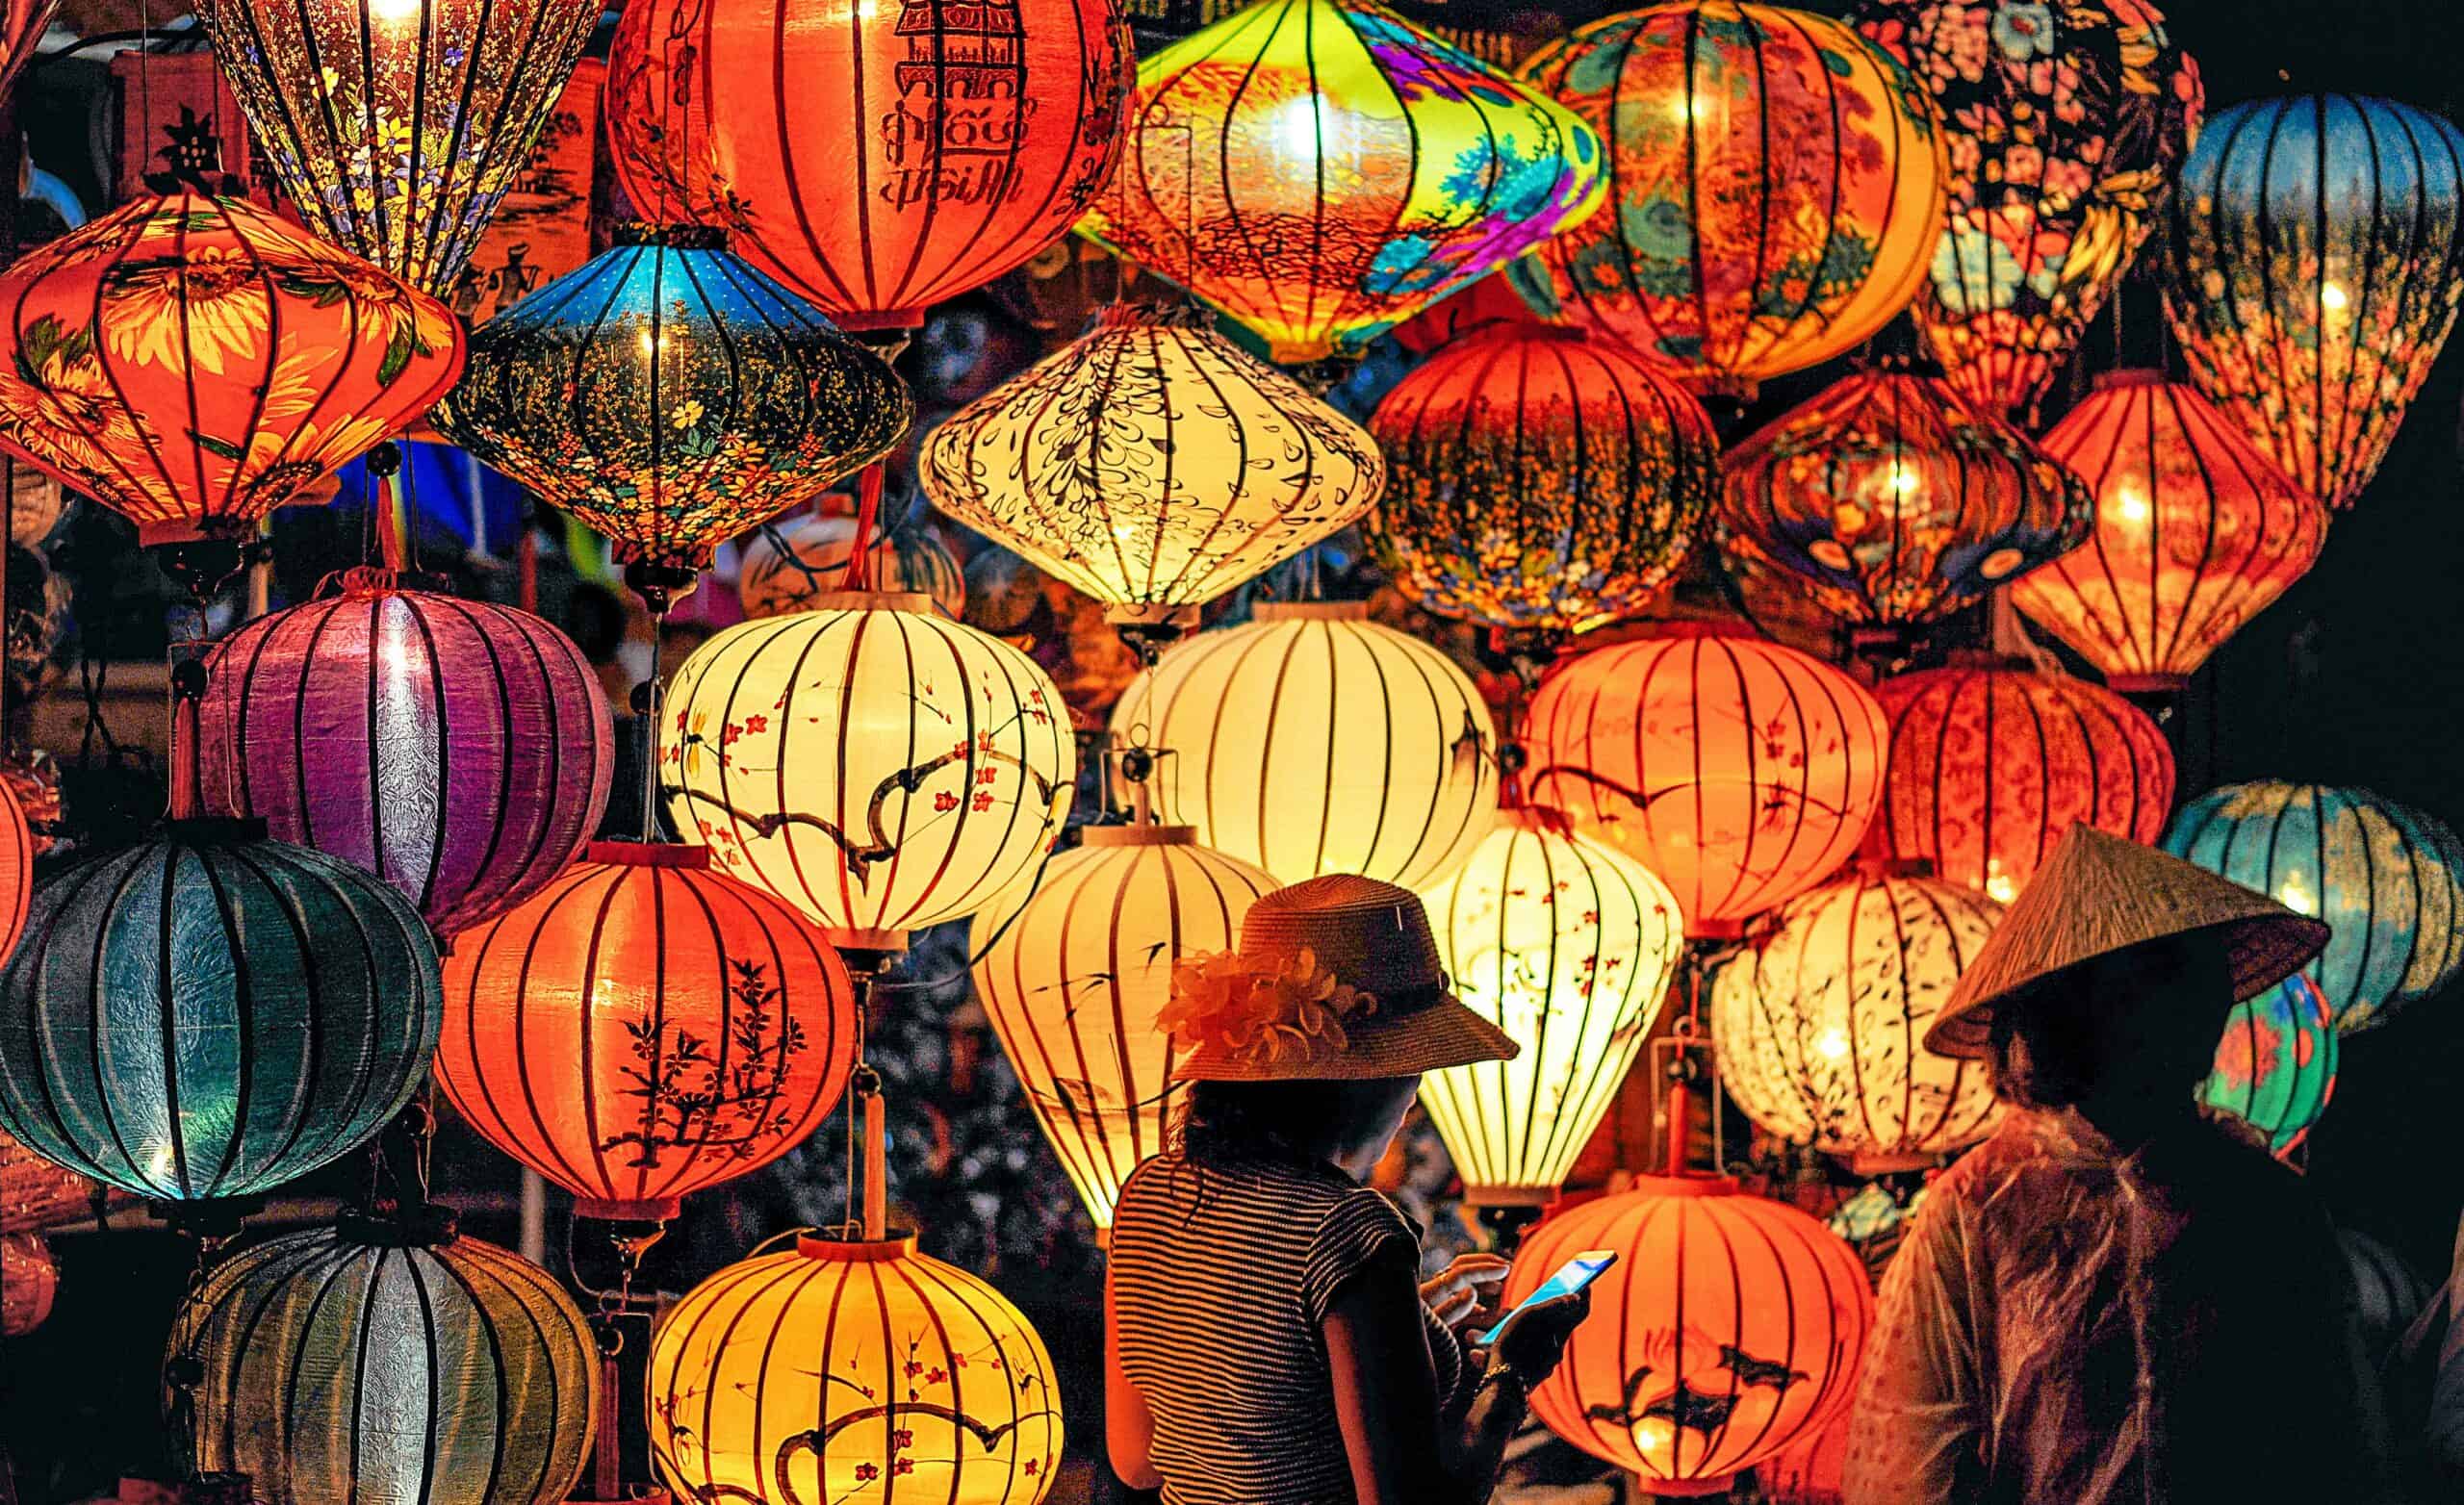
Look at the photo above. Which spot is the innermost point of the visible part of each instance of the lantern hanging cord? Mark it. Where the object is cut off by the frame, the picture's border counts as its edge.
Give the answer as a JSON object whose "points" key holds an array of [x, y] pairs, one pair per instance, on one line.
{"points": [[650, 694], [868, 507]]}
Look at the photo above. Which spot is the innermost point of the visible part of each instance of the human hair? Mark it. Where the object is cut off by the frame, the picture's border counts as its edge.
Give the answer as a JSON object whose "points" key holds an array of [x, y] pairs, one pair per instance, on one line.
{"points": [[2148, 1014], [1302, 1120]]}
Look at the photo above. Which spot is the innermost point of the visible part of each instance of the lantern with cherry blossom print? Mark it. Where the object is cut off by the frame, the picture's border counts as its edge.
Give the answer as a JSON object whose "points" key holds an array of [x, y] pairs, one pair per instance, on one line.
{"points": [[2276, 1066]]}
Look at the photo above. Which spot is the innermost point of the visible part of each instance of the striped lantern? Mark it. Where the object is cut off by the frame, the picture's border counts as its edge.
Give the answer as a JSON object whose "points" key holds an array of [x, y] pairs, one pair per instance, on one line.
{"points": [[16, 870], [374, 1361], [1812, 1470], [459, 750], [29, 1283], [23, 23], [1312, 739], [2276, 1066], [773, 580], [1073, 971]]}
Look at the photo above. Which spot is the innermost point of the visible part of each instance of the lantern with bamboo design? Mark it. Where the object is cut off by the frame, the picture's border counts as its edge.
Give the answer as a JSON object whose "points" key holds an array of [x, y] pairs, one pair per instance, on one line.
{"points": [[773, 580], [2276, 1066], [1322, 169]]}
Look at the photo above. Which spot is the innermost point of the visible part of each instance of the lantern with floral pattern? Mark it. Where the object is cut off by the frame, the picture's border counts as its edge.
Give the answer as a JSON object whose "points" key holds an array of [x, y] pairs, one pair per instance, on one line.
{"points": [[2276, 1067]]}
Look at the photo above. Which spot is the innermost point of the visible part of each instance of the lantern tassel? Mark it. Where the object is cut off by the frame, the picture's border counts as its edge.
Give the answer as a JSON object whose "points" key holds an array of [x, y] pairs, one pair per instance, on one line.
{"points": [[868, 511]]}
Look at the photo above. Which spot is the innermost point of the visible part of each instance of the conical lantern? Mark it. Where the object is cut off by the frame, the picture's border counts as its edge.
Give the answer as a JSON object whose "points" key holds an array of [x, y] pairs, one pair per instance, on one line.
{"points": [[1543, 478], [1154, 465], [910, 557], [2196, 532], [1322, 169], [23, 23], [396, 126], [1778, 188], [194, 363], [2276, 1067]]}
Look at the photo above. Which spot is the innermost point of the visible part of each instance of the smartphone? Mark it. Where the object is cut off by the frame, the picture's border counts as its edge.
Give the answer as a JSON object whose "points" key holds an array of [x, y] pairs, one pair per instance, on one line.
{"points": [[1571, 1277]]}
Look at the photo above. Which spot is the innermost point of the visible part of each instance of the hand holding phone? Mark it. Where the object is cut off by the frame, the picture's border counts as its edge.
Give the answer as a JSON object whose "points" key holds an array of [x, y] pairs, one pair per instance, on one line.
{"points": [[1575, 1274]]}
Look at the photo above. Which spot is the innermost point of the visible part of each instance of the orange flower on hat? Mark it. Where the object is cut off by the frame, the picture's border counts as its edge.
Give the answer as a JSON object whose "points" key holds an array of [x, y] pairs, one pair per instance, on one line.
{"points": [[1290, 1010]]}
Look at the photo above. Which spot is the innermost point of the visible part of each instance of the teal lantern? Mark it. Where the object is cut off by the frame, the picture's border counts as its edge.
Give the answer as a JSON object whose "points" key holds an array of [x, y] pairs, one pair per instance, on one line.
{"points": [[2276, 1067]]}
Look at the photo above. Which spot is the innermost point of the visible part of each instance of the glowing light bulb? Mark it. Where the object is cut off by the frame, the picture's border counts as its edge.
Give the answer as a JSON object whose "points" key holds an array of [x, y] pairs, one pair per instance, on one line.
{"points": [[1297, 128], [395, 13], [1651, 1435], [2295, 894], [2131, 504], [1832, 1045], [2331, 298], [1998, 886]]}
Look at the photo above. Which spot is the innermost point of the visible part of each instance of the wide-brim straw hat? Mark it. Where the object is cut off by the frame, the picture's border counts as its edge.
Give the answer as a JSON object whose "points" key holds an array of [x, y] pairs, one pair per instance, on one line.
{"points": [[2099, 894], [1374, 937]]}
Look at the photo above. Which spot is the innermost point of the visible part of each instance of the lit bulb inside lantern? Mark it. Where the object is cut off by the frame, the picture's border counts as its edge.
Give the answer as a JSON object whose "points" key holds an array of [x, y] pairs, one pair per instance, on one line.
{"points": [[1652, 1435], [1297, 128], [1832, 1044], [2295, 894], [2331, 298], [395, 13], [2131, 504], [1998, 886]]}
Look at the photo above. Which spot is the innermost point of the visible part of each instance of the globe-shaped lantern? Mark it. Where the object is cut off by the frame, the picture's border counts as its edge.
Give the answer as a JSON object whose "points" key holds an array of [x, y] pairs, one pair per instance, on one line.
{"points": [[1817, 1022], [459, 750], [1154, 465], [2276, 1067], [396, 126], [2065, 124], [910, 558], [671, 395], [23, 23], [212, 1014], [1543, 478], [194, 363], [1740, 772], [2388, 878], [1729, 1328], [836, 1369], [878, 160], [1896, 502], [2317, 252], [1568, 945], [2196, 532], [1312, 739], [643, 1028], [1321, 170], [872, 763], [383, 1360], [16, 870], [1777, 189], [1073, 971], [1812, 1470]]}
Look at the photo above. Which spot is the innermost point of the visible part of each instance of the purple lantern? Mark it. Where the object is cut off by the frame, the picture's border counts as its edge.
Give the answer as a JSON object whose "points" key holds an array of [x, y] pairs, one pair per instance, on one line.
{"points": [[459, 750]]}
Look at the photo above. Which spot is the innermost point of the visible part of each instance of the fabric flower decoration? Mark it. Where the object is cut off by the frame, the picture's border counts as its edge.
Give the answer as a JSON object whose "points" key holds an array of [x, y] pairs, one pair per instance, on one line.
{"points": [[1290, 1010]]}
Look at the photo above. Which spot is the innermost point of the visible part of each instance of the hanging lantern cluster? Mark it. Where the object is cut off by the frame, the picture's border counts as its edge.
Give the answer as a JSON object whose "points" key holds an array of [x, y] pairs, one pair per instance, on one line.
{"points": [[1321, 170], [1544, 478], [2276, 1066], [909, 558]]}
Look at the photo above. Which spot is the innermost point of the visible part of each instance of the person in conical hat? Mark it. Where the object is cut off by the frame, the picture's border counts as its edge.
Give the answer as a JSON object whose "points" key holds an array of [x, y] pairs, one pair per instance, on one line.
{"points": [[2111, 1298]]}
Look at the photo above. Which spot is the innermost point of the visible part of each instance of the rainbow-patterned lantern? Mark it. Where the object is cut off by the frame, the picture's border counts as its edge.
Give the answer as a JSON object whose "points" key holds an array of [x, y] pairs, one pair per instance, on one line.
{"points": [[2276, 1067]]}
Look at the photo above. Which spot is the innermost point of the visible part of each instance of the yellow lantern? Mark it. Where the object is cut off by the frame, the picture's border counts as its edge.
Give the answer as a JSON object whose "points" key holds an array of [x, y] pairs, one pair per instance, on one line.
{"points": [[1074, 971], [842, 1370], [1568, 945], [1313, 740]]}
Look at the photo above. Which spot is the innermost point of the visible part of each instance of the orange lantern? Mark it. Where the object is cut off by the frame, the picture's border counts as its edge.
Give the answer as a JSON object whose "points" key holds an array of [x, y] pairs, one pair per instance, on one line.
{"points": [[1990, 764], [643, 1028], [1729, 1328], [16, 870], [1740, 772], [2196, 532], [21, 25], [195, 363]]}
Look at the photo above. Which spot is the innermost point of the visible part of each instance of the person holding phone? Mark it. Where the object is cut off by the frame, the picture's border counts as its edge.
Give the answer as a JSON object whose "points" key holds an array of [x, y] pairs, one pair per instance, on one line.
{"points": [[1266, 1342]]}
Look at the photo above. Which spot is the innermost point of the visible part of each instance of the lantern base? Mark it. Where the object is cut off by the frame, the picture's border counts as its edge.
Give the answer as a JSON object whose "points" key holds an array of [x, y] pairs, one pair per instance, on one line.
{"points": [[917, 601], [608, 1209], [897, 1243], [1504, 1197], [1714, 931], [1879, 1163], [1685, 1489], [2145, 684]]}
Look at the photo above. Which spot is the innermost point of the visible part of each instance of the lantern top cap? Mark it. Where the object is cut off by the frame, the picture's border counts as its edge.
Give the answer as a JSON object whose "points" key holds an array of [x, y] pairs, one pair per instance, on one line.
{"points": [[214, 830], [648, 854], [833, 1249], [2129, 376], [1177, 315], [680, 238], [1141, 833], [1687, 1186], [1309, 611], [869, 600]]}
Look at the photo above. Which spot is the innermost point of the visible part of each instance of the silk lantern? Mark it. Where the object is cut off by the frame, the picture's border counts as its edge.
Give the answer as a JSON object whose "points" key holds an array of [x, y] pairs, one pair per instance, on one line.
{"points": [[773, 581], [2317, 256], [1074, 969], [396, 126], [1815, 1024], [372, 1361], [457, 750], [1543, 479], [21, 27], [878, 160], [194, 363], [1568, 945], [16, 870], [1741, 772], [2388, 878], [1777, 188], [876, 766], [2276, 1066], [1729, 1328], [1322, 169], [1154, 465], [643, 1028], [213, 1014], [2065, 125], [2196, 532], [1312, 739], [1895, 502], [839, 1369]]}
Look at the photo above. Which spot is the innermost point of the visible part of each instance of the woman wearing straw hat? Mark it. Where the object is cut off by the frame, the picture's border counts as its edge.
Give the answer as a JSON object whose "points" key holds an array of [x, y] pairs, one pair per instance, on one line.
{"points": [[2113, 1299], [1265, 1343]]}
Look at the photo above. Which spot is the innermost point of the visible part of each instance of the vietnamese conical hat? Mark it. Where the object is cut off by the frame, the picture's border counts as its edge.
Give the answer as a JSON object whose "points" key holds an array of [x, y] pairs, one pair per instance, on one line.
{"points": [[2099, 894]]}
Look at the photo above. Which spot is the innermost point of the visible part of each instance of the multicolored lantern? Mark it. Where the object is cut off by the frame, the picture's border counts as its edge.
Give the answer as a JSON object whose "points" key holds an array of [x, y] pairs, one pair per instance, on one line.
{"points": [[1543, 478], [1322, 169], [2276, 1067], [1729, 1328], [2065, 123], [2196, 532], [911, 557], [1740, 772], [1313, 740], [879, 158], [396, 126], [838, 1369], [2389, 879], [1777, 187], [1568, 945], [16, 870], [643, 1028], [2317, 260], [194, 363], [22, 24], [1896, 502], [1154, 465]]}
